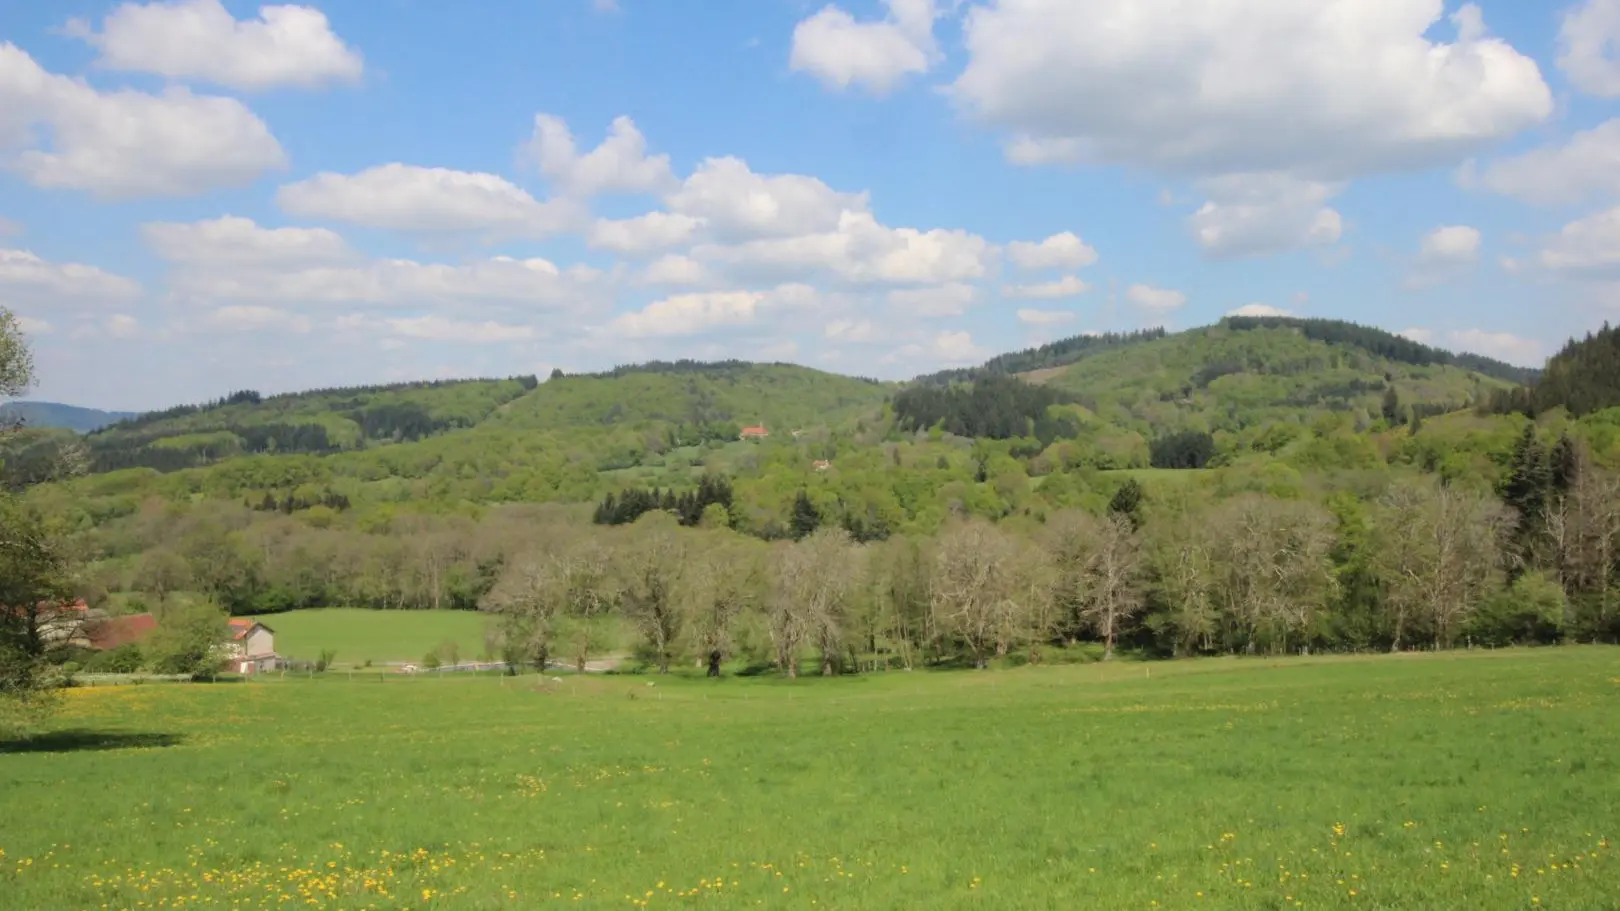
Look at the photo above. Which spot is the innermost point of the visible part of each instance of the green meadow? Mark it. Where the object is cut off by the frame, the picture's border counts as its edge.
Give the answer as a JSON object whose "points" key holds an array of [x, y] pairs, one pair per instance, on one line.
{"points": [[359, 635], [1478, 780]]}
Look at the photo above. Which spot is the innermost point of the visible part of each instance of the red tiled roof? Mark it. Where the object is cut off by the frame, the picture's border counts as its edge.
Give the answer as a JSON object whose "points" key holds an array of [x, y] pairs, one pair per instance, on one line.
{"points": [[115, 631], [754, 431]]}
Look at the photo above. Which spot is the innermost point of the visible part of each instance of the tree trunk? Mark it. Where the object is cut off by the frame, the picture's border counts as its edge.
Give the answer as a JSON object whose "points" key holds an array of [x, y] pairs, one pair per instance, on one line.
{"points": [[714, 664]]}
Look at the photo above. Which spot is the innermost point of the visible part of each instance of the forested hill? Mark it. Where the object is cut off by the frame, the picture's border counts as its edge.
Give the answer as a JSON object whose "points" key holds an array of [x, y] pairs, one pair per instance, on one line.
{"points": [[1385, 344], [319, 422], [1584, 377], [52, 414]]}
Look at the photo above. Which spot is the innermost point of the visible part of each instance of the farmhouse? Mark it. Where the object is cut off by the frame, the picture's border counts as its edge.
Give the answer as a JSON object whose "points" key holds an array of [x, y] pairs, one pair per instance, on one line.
{"points": [[821, 464], [252, 646], [755, 433]]}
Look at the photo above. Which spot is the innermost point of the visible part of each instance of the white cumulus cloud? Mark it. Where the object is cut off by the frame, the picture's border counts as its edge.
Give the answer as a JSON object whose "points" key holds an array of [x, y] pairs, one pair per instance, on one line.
{"points": [[841, 51], [1586, 165], [1060, 251], [1067, 286], [1589, 47], [287, 45], [1259, 310], [1157, 300], [409, 198], [620, 164], [951, 299], [1259, 214], [125, 144], [1325, 90], [1044, 317], [737, 204]]}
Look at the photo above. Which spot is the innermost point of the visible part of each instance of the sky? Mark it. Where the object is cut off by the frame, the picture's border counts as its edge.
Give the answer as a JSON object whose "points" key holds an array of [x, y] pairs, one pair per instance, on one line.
{"points": [[201, 196]]}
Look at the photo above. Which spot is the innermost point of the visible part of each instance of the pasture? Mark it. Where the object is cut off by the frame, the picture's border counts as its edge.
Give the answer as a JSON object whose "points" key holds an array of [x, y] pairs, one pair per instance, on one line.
{"points": [[1483, 780], [358, 636]]}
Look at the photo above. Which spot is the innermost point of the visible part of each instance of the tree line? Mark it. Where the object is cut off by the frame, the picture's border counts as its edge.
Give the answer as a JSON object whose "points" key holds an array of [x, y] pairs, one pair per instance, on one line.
{"points": [[1583, 377], [1383, 344]]}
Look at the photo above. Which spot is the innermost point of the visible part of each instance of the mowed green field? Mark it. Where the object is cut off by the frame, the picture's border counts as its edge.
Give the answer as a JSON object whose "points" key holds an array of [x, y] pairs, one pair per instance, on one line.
{"points": [[358, 636], [1479, 781]]}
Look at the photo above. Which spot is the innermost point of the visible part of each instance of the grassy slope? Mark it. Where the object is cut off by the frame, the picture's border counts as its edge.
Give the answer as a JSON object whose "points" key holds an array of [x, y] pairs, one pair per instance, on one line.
{"points": [[1277, 373], [1475, 780], [378, 636]]}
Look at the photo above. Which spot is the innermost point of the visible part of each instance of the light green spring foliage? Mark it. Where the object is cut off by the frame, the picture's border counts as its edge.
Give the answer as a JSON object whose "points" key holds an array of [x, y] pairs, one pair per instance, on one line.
{"points": [[1480, 781]]}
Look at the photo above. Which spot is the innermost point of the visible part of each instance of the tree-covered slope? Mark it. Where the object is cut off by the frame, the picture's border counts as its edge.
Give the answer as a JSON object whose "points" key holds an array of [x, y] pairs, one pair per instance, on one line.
{"points": [[1583, 377], [697, 401], [1228, 377], [318, 422], [53, 414]]}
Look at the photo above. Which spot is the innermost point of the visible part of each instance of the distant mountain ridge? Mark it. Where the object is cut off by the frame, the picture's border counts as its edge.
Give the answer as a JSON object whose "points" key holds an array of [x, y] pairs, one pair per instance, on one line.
{"points": [[55, 414]]}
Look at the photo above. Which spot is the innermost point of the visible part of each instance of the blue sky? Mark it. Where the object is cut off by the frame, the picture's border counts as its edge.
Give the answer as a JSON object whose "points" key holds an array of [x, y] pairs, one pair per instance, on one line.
{"points": [[198, 196]]}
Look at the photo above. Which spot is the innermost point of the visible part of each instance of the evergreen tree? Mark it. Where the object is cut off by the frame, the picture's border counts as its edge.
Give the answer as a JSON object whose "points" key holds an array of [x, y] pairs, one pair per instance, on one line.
{"points": [[1392, 407], [1526, 489], [1127, 502], [805, 518], [1416, 421], [1564, 464]]}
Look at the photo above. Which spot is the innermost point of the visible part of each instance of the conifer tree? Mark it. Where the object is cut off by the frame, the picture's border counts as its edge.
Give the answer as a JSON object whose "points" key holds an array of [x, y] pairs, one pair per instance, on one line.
{"points": [[805, 519]]}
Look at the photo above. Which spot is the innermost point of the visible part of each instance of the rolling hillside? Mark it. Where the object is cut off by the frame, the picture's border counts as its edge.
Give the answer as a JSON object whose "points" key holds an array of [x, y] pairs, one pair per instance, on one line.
{"points": [[53, 414]]}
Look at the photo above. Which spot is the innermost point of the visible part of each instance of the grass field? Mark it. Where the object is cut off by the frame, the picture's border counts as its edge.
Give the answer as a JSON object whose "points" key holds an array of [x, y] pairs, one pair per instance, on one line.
{"points": [[1457, 781], [361, 635]]}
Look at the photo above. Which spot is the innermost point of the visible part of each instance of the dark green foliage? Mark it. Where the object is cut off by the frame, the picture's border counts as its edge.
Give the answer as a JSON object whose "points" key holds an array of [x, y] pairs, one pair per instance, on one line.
{"points": [[994, 407], [1583, 377], [1052, 354], [1391, 409], [291, 502], [1127, 502], [1563, 464], [1187, 449], [630, 505], [805, 518], [1383, 344]]}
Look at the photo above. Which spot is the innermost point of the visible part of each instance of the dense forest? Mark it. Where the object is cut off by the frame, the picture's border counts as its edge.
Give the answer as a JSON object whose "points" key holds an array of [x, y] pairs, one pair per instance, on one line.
{"points": [[993, 407], [1384, 344], [1053, 354], [1582, 378]]}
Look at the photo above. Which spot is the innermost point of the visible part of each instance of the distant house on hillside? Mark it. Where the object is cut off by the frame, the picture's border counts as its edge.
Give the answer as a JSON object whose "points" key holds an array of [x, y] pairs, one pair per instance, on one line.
{"points": [[821, 464], [113, 632], [57, 623], [252, 647], [755, 433]]}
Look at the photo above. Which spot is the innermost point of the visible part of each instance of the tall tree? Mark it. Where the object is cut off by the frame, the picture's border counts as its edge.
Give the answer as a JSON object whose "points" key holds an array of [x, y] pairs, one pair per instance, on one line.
{"points": [[724, 584], [1438, 553], [652, 566], [805, 518], [974, 589]]}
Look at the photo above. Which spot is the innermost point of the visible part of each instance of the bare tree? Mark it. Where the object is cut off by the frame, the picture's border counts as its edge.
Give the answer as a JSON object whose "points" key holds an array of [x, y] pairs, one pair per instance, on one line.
{"points": [[812, 582], [724, 583], [1439, 554], [528, 598], [1275, 564], [1114, 573], [1183, 565], [651, 567], [1584, 526], [974, 587]]}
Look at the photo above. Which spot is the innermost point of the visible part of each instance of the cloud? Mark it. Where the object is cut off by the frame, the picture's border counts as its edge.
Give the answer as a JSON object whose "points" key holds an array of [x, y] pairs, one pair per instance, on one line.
{"points": [[620, 164], [1067, 286], [1452, 244], [122, 325], [738, 204], [1587, 247], [1579, 169], [1158, 300], [409, 198], [438, 328], [239, 242], [860, 251], [28, 280], [944, 349], [675, 269], [1326, 90], [253, 318], [1044, 317], [1260, 214], [853, 331], [1259, 310], [31, 326], [1588, 37], [1421, 336], [199, 40], [644, 233], [1060, 251], [241, 262], [126, 144], [842, 52], [688, 314], [942, 300], [1502, 345]]}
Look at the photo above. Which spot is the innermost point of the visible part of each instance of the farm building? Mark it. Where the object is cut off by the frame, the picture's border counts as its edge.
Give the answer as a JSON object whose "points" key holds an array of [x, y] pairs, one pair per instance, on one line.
{"points": [[754, 433], [252, 647]]}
